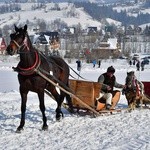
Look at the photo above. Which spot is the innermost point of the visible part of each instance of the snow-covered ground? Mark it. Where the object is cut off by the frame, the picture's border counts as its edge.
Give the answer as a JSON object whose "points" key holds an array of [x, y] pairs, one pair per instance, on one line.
{"points": [[123, 131]]}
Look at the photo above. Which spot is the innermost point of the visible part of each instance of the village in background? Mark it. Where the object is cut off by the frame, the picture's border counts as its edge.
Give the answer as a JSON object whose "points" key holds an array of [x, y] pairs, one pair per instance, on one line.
{"points": [[108, 40]]}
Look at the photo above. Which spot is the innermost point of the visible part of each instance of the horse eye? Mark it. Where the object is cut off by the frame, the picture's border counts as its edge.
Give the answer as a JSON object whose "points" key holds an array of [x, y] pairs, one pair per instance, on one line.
{"points": [[11, 36]]}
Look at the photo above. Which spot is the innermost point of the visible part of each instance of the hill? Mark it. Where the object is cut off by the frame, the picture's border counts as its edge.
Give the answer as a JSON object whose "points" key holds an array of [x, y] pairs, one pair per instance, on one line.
{"points": [[67, 13]]}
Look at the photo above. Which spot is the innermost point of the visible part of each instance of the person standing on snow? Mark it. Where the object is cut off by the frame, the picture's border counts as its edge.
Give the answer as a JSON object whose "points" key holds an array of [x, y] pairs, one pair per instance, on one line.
{"points": [[138, 65], [94, 63], [78, 65], [142, 65], [99, 63]]}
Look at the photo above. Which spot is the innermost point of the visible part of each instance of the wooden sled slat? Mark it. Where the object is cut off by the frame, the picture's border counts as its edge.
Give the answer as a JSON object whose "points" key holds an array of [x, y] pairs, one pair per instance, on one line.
{"points": [[86, 91]]}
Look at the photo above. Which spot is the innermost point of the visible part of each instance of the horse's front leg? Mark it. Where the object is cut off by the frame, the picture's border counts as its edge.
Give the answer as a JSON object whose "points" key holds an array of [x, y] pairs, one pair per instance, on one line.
{"points": [[42, 108], [23, 110]]}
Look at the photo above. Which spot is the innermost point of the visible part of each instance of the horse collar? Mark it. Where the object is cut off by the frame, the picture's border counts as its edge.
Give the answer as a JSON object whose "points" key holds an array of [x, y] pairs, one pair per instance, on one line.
{"points": [[30, 70]]}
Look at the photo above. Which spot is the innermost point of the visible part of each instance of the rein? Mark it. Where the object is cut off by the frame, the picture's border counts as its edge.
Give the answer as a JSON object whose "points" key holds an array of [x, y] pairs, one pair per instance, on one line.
{"points": [[51, 61]]}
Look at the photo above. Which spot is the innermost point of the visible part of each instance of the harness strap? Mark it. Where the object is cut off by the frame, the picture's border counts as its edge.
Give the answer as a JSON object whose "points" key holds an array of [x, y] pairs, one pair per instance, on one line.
{"points": [[16, 43], [137, 88], [32, 67], [31, 70]]}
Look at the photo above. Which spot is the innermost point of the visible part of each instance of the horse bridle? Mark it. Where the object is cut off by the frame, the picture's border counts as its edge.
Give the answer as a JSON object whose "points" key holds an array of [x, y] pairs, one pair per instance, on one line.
{"points": [[132, 85], [29, 70], [21, 45]]}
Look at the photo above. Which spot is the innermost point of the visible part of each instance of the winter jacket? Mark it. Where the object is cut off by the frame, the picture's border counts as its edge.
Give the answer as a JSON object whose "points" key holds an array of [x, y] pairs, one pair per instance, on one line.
{"points": [[106, 81]]}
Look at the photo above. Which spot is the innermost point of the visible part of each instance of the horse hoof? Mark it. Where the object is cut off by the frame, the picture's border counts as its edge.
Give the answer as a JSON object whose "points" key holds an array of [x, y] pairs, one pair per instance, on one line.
{"points": [[71, 110], [45, 128], [59, 116], [19, 130]]}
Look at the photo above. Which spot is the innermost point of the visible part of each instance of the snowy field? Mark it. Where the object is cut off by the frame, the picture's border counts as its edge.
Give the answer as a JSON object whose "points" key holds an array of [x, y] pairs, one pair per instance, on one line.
{"points": [[123, 131]]}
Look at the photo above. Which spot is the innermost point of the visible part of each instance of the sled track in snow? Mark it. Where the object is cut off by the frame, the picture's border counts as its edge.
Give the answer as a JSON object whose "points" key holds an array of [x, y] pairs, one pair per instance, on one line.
{"points": [[140, 143]]}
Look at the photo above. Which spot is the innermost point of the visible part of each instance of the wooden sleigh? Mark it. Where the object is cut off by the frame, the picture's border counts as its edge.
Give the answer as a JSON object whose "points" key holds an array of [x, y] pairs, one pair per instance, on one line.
{"points": [[83, 95], [88, 92]]}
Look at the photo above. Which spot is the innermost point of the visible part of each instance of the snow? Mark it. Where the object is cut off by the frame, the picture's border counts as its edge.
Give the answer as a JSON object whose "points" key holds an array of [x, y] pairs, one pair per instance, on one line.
{"points": [[122, 131], [49, 16], [113, 22]]}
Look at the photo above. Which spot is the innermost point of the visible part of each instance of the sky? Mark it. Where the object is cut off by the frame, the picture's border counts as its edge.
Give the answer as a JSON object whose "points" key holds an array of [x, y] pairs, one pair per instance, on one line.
{"points": [[119, 131]]}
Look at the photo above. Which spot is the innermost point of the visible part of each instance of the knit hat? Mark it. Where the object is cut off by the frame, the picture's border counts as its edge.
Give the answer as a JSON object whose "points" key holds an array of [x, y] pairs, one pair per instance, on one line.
{"points": [[111, 69]]}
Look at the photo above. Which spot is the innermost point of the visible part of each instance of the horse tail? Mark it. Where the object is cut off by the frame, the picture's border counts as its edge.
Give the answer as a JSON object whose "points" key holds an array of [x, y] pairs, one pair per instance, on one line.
{"points": [[146, 99]]}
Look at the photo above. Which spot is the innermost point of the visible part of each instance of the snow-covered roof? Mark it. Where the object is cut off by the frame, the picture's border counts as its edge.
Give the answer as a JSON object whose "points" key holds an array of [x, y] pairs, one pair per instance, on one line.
{"points": [[113, 43]]}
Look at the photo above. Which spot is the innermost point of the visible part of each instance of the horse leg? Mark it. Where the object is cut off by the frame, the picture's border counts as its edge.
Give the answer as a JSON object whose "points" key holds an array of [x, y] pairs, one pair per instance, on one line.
{"points": [[129, 102], [60, 100], [69, 101], [23, 110], [141, 102], [134, 103], [146, 100], [42, 108]]}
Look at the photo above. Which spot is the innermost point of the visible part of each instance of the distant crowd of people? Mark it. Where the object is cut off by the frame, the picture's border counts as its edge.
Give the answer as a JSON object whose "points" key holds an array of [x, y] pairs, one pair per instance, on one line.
{"points": [[138, 64], [94, 62]]}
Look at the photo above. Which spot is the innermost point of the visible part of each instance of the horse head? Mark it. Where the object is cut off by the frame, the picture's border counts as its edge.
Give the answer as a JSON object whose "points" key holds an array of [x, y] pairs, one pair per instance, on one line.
{"points": [[130, 80], [17, 40]]}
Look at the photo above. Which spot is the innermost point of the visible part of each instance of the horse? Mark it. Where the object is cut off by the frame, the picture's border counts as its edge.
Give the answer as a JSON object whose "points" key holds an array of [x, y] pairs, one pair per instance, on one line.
{"points": [[31, 59], [134, 92]]}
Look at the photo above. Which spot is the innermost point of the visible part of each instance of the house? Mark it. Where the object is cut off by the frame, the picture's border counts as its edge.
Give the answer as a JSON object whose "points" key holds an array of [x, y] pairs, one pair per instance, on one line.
{"points": [[45, 37], [107, 49], [48, 42], [92, 30]]}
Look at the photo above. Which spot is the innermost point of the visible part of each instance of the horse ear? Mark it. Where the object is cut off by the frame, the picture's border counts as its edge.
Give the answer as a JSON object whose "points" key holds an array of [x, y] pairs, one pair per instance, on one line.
{"points": [[133, 72], [25, 28], [16, 29]]}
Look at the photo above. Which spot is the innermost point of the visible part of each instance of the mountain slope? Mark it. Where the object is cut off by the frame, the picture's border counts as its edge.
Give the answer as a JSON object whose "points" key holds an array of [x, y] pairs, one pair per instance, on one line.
{"points": [[49, 15]]}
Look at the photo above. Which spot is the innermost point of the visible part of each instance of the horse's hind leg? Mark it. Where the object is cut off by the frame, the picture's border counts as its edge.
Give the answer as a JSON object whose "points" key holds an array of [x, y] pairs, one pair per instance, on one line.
{"points": [[23, 110], [60, 100], [69, 101], [42, 108]]}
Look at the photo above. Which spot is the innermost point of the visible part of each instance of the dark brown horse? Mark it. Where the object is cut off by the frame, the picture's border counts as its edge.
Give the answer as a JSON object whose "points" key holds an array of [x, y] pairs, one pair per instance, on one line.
{"points": [[134, 92], [30, 60]]}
